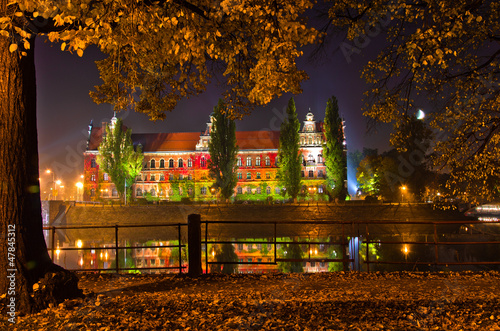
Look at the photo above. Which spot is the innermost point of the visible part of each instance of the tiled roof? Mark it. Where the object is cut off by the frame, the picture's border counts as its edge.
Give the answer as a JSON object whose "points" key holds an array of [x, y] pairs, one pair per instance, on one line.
{"points": [[186, 141], [155, 142], [258, 139]]}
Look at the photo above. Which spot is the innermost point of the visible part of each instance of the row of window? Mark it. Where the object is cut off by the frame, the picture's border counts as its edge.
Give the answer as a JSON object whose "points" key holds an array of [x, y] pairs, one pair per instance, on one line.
{"points": [[249, 160], [171, 163], [161, 177], [310, 140]]}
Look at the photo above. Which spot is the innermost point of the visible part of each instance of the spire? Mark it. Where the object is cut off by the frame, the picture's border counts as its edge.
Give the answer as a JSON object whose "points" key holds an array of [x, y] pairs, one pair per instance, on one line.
{"points": [[113, 121]]}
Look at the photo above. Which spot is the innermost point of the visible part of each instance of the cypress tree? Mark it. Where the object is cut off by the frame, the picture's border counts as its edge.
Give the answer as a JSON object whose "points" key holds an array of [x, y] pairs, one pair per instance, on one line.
{"points": [[223, 150], [333, 150], [289, 153]]}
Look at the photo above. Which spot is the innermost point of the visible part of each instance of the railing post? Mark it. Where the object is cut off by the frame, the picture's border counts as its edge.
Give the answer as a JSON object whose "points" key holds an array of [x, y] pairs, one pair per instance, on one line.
{"points": [[367, 249], [117, 260], [52, 241], [180, 247], [436, 261], [194, 245]]}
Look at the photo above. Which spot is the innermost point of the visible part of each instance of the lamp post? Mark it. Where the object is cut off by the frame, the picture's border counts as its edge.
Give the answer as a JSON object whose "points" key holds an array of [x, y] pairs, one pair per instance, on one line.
{"points": [[79, 187], [53, 188], [403, 190]]}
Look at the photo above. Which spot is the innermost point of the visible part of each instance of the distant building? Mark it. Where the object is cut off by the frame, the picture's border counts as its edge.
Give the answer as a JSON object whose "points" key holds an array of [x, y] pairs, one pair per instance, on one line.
{"points": [[175, 165]]}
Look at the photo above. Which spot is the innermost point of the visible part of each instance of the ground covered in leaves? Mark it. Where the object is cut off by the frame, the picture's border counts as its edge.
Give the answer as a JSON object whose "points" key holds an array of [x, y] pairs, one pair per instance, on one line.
{"points": [[323, 301]]}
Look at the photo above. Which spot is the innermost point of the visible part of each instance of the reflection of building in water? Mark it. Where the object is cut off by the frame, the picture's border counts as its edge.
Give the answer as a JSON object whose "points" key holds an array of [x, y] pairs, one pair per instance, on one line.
{"points": [[175, 164]]}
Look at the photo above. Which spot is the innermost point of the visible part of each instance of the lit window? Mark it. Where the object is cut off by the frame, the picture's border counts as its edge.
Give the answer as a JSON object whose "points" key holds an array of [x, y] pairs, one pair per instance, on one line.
{"points": [[92, 178], [320, 158], [162, 163], [238, 162], [181, 163], [93, 163], [171, 163], [240, 176], [257, 161], [277, 190], [203, 190], [249, 175], [114, 192], [311, 159], [320, 189], [268, 161], [153, 164], [257, 175], [105, 176], [249, 161], [190, 163]]}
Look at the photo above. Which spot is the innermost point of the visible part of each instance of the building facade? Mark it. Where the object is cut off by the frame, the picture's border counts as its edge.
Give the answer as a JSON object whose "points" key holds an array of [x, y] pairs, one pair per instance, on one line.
{"points": [[175, 165]]}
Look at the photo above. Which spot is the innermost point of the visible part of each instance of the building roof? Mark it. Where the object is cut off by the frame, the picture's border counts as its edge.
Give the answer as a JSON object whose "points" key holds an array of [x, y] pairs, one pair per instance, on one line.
{"points": [[186, 141], [156, 142], [258, 139]]}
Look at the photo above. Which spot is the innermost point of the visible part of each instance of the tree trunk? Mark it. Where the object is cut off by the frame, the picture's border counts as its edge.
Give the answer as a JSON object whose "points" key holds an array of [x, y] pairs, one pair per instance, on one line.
{"points": [[20, 206]]}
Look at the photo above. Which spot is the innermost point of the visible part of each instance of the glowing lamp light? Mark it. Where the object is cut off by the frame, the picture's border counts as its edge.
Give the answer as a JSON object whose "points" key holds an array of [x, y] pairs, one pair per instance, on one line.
{"points": [[81, 262], [79, 185], [79, 243], [58, 182]]}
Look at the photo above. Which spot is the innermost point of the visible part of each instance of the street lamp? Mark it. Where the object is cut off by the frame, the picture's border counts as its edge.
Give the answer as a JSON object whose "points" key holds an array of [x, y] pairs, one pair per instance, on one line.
{"points": [[79, 187], [403, 190], [53, 188]]}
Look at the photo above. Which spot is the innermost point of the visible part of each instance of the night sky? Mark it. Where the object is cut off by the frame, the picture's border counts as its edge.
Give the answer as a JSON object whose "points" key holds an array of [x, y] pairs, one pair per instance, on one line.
{"points": [[65, 108]]}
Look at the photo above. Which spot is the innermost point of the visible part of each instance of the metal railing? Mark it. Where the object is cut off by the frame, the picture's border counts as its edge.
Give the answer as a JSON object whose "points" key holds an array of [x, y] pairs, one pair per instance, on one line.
{"points": [[369, 235], [117, 247]]}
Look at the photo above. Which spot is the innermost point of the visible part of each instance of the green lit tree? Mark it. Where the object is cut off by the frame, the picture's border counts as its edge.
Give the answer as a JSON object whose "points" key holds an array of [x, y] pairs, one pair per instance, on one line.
{"points": [[118, 158], [333, 152], [223, 150], [289, 155]]}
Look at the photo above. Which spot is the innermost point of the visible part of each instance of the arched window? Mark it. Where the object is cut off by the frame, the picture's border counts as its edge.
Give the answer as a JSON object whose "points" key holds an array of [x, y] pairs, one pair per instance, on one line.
{"points": [[239, 190], [268, 175], [258, 190], [171, 163], [203, 164], [320, 189], [239, 162], [162, 163], [268, 161], [268, 190], [240, 176], [203, 190], [249, 161], [311, 174], [320, 158], [310, 140], [277, 190], [114, 192], [249, 175], [311, 159], [257, 161], [257, 175], [190, 163], [153, 192], [181, 163], [162, 192], [93, 164], [139, 192], [249, 190], [92, 192], [153, 164]]}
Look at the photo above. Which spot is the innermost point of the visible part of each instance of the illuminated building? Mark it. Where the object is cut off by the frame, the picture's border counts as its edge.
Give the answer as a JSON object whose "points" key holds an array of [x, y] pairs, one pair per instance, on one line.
{"points": [[175, 165]]}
